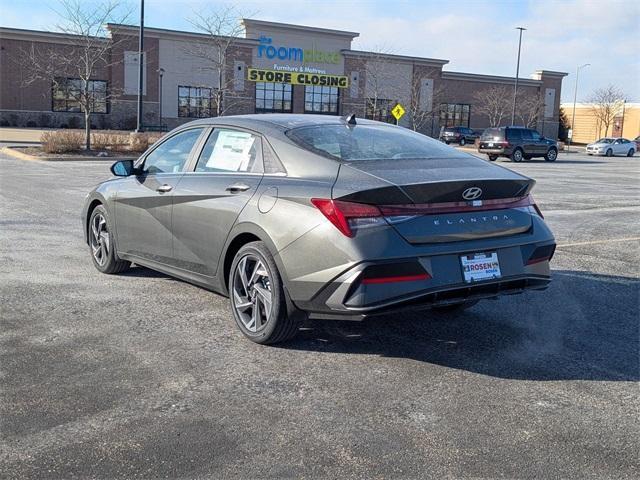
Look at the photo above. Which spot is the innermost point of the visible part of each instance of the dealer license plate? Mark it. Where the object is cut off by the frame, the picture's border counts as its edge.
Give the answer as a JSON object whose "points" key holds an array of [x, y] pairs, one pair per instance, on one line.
{"points": [[490, 144], [480, 266]]}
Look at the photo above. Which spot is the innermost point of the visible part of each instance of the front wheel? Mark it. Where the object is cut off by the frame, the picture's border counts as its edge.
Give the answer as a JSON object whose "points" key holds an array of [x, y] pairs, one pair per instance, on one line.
{"points": [[257, 296], [630, 152], [101, 242], [493, 158], [552, 155], [609, 153]]}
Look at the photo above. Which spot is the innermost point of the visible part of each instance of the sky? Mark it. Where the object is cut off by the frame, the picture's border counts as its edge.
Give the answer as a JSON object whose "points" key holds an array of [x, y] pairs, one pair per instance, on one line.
{"points": [[475, 36]]}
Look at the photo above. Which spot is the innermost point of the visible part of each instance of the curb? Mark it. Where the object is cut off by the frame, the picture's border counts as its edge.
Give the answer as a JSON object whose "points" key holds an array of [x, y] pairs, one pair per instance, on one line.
{"points": [[13, 152]]}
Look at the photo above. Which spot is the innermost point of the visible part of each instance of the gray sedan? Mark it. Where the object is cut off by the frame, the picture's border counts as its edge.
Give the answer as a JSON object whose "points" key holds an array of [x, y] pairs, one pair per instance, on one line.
{"points": [[320, 217]]}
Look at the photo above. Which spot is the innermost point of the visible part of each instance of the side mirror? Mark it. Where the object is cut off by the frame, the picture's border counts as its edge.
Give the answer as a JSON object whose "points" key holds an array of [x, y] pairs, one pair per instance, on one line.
{"points": [[123, 168]]}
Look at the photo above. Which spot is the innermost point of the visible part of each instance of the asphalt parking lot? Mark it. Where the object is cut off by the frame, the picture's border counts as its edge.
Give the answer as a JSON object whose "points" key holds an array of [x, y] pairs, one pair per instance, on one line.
{"points": [[142, 376]]}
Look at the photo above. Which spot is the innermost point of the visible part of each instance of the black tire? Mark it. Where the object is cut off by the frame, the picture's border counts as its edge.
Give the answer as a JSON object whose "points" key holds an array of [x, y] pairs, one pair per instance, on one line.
{"points": [[455, 307], [630, 152], [106, 261], [281, 324], [552, 155], [462, 142], [517, 155], [609, 153], [493, 158]]}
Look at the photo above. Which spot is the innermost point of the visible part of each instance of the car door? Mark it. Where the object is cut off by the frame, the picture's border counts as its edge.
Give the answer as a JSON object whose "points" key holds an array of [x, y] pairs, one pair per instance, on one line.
{"points": [[143, 203], [211, 195], [620, 147], [538, 144]]}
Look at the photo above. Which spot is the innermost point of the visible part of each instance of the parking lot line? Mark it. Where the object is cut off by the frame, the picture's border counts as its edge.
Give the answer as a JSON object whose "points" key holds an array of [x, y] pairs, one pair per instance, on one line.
{"points": [[593, 242]]}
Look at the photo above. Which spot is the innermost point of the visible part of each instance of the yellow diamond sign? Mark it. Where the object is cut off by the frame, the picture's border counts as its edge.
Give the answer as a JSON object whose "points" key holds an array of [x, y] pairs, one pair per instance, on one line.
{"points": [[398, 111]]}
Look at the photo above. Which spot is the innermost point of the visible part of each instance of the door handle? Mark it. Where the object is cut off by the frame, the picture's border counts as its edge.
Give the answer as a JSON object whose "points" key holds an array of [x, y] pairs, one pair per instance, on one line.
{"points": [[164, 188], [237, 187]]}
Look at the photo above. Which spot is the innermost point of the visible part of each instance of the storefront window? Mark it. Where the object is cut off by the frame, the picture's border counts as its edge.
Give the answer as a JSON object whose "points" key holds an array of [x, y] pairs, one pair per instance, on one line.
{"points": [[380, 109], [67, 95], [454, 114], [320, 99], [273, 97], [197, 102]]}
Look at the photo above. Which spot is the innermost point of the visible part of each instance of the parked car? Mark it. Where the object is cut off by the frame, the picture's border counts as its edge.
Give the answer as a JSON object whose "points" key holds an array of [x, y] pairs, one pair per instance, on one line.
{"points": [[321, 217], [517, 143], [610, 146], [459, 135]]}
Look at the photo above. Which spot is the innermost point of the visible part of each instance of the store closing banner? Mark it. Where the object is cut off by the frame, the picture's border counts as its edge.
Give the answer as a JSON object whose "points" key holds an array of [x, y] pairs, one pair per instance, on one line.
{"points": [[297, 78]]}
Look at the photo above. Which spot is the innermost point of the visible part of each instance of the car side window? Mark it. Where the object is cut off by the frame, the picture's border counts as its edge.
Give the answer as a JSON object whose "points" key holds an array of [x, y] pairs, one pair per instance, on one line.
{"points": [[514, 134], [617, 142], [228, 150], [535, 135], [171, 155]]}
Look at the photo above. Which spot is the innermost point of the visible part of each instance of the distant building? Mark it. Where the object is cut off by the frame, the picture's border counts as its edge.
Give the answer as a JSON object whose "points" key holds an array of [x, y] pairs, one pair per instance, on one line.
{"points": [[276, 68], [588, 128]]}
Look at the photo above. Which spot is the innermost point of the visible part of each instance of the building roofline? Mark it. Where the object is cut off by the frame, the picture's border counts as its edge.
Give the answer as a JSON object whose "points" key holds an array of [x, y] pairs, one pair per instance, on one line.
{"points": [[589, 105], [400, 58], [305, 28], [478, 77], [551, 73], [165, 32], [42, 36]]}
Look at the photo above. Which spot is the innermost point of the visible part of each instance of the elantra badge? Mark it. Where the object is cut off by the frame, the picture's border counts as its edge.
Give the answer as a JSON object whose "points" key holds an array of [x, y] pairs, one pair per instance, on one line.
{"points": [[472, 193]]}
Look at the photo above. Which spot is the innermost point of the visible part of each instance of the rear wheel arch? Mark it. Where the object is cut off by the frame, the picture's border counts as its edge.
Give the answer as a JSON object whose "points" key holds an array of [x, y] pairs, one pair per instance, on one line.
{"points": [[237, 239]]}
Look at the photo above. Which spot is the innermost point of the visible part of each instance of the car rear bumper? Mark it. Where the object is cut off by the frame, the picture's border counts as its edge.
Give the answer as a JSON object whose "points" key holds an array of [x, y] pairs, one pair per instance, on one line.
{"points": [[442, 297], [492, 151], [350, 297]]}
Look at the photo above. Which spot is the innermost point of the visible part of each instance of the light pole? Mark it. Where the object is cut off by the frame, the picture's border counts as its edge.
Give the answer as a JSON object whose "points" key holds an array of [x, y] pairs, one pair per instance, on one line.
{"points": [[140, 66], [160, 74], [575, 96], [515, 90]]}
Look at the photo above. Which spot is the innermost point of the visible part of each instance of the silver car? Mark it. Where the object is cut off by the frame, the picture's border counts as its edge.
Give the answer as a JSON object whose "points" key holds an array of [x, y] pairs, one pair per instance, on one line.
{"points": [[304, 216], [610, 146]]}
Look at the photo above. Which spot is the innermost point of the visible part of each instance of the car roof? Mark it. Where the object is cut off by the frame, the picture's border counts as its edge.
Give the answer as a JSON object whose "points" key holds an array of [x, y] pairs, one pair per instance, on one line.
{"points": [[281, 121]]}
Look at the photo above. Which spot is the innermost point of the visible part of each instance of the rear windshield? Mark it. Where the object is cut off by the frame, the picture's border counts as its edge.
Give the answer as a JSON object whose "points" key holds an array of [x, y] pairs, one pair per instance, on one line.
{"points": [[493, 134], [368, 142]]}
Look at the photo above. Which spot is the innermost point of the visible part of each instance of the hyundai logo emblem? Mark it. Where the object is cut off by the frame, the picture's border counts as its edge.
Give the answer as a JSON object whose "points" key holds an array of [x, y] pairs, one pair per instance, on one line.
{"points": [[472, 193]]}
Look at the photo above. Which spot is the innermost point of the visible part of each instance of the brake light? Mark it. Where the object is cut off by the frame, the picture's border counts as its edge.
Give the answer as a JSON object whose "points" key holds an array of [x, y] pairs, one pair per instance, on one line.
{"points": [[350, 216], [396, 279], [346, 216], [457, 207]]}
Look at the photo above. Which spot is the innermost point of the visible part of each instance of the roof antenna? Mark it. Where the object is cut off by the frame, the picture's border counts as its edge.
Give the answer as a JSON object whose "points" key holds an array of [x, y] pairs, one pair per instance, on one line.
{"points": [[350, 119]]}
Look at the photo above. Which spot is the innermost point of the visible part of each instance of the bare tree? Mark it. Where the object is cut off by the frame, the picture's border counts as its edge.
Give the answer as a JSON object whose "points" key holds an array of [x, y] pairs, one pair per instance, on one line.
{"points": [[86, 55], [222, 28], [379, 75], [530, 108], [493, 102], [422, 106], [606, 104]]}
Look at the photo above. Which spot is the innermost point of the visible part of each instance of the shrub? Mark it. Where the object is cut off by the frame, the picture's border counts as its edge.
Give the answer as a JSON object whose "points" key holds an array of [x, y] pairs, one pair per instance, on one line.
{"points": [[110, 141], [45, 120], [138, 142], [61, 141]]}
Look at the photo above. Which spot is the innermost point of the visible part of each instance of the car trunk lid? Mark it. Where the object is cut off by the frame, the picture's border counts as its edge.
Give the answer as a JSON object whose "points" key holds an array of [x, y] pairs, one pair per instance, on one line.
{"points": [[439, 200]]}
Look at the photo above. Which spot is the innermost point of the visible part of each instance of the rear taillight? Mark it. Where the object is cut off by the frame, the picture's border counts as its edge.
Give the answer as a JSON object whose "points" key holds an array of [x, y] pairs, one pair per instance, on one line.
{"points": [[348, 216]]}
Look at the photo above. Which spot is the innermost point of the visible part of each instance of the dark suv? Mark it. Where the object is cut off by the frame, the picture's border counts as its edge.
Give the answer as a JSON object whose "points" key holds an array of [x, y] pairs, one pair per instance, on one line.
{"points": [[517, 143], [461, 135]]}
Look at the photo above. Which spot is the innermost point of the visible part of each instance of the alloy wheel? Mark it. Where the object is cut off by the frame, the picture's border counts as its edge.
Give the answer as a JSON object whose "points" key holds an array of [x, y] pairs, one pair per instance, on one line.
{"points": [[552, 154], [100, 239], [252, 295]]}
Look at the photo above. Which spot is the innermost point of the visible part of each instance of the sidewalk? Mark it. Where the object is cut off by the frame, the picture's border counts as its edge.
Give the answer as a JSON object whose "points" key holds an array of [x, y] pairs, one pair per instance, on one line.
{"points": [[21, 135]]}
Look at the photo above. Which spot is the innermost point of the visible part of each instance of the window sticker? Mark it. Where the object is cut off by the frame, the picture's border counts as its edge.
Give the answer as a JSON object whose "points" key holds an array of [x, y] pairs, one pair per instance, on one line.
{"points": [[233, 151]]}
